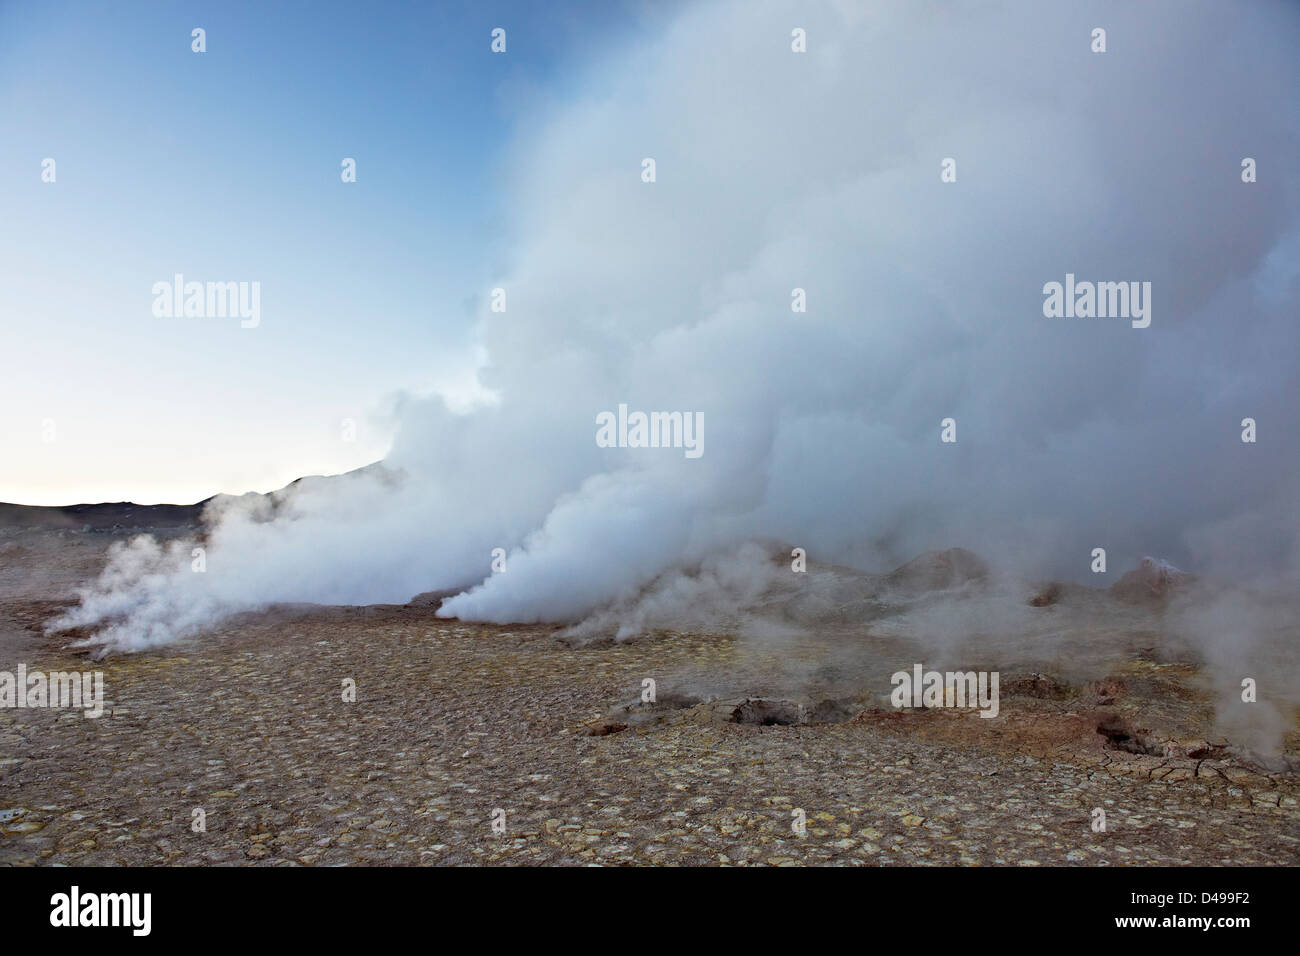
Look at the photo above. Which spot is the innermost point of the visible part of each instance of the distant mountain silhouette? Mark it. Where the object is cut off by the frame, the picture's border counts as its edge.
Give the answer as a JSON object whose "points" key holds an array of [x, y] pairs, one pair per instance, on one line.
{"points": [[127, 515]]}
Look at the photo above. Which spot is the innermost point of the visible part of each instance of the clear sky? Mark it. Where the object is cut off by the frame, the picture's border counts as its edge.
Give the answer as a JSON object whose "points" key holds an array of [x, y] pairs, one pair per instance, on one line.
{"points": [[225, 166]]}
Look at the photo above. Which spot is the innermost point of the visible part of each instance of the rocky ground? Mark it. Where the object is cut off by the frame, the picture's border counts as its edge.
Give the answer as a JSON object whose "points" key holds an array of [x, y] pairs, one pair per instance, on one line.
{"points": [[247, 732]]}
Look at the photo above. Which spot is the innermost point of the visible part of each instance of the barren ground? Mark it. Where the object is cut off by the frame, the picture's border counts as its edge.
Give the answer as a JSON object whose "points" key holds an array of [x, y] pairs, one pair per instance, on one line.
{"points": [[454, 721]]}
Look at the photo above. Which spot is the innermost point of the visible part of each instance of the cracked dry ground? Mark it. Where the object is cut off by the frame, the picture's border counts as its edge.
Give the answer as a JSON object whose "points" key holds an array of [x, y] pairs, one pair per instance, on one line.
{"points": [[455, 720]]}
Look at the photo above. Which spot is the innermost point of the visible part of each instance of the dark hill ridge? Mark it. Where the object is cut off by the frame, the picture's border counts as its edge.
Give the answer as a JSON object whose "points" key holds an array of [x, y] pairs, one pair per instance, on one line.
{"points": [[100, 517], [127, 515]]}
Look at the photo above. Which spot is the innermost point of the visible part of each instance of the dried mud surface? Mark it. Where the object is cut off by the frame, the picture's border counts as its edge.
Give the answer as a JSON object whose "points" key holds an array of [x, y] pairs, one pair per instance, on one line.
{"points": [[453, 721]]}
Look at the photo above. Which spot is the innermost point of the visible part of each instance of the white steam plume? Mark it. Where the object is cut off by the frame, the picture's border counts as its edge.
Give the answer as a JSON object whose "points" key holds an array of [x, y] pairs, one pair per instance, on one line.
{"points": [[821, 171]]}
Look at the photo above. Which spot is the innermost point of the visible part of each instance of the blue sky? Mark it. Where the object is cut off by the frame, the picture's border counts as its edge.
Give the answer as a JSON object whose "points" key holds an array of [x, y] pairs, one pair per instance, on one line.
{"points": [[225, 166]]}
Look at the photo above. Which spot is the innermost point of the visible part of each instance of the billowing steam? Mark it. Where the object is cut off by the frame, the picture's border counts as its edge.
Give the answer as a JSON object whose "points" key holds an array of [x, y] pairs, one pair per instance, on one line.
{"points": [[820, 171]]}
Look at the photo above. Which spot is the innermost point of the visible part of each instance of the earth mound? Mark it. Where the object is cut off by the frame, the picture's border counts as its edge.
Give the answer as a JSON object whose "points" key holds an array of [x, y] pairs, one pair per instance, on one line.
{"points": [[1153, 581], [938, 571]]}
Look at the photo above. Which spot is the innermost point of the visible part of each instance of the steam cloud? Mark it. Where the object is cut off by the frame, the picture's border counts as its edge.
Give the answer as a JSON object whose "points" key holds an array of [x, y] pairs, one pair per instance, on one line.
{"points": [[820, 171]]}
